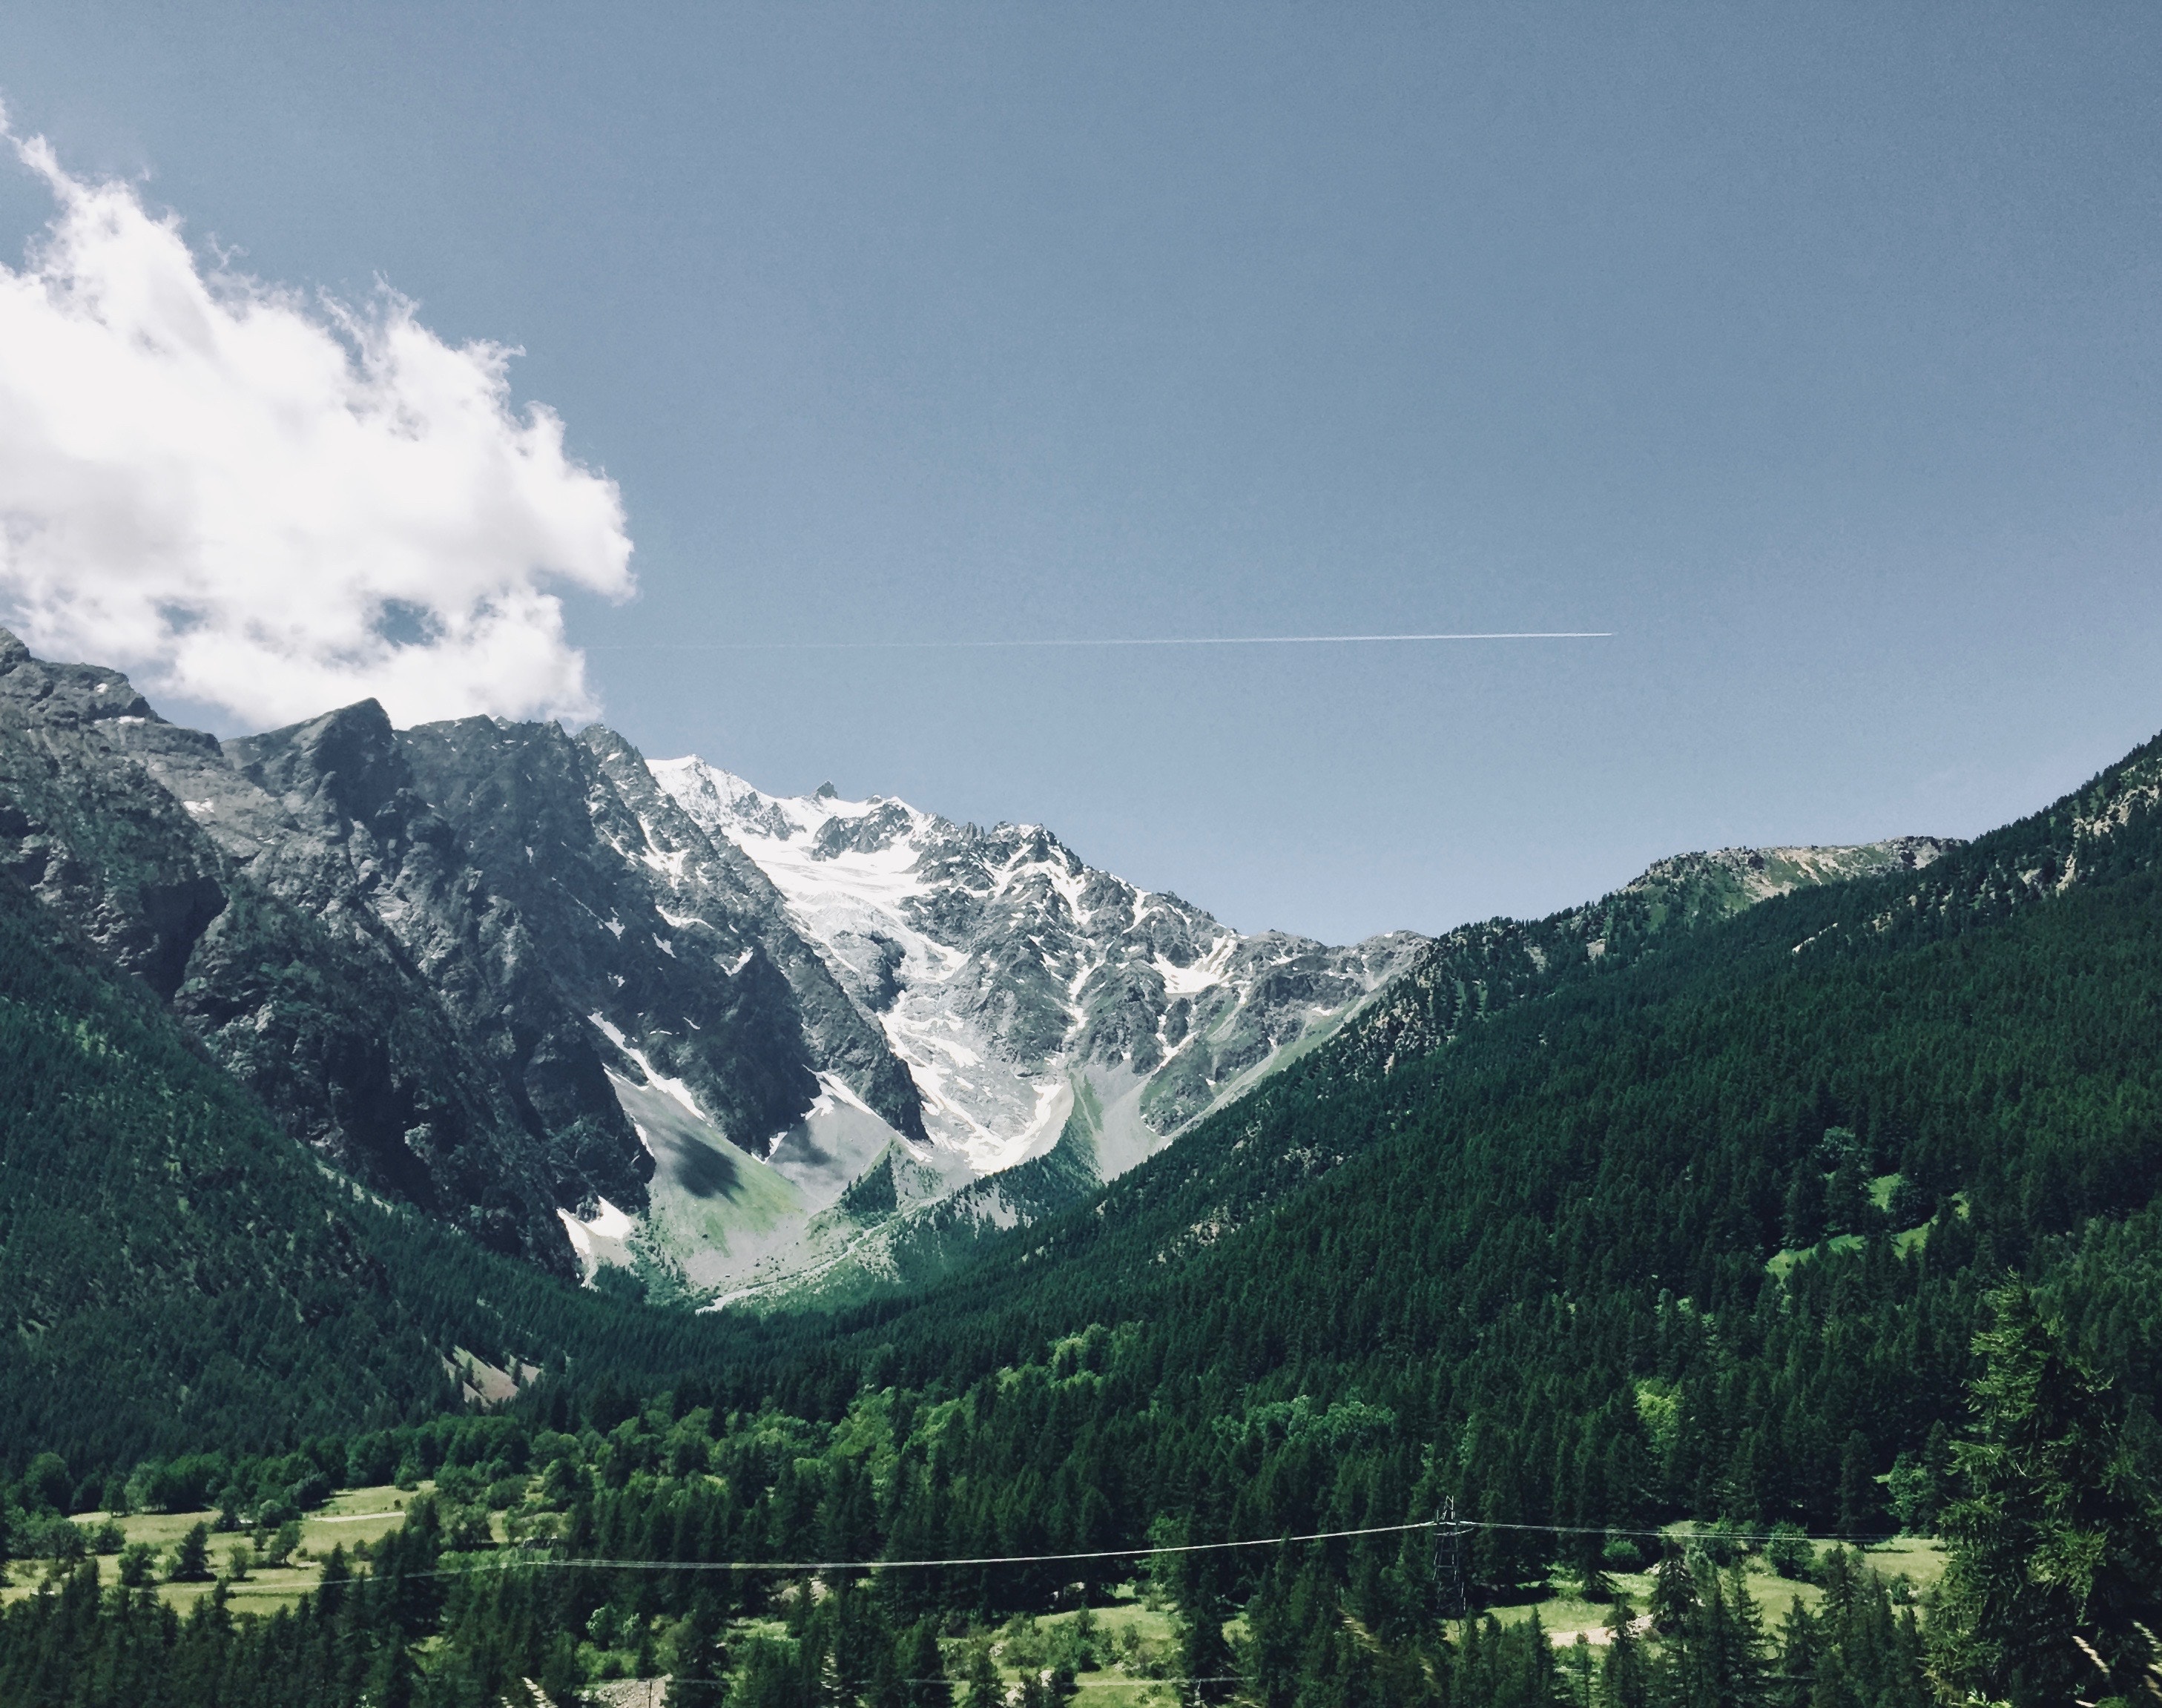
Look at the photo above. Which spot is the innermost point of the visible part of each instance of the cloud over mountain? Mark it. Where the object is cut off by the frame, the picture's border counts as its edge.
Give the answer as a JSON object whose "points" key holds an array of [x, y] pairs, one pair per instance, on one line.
{"points": [[275, 504]]}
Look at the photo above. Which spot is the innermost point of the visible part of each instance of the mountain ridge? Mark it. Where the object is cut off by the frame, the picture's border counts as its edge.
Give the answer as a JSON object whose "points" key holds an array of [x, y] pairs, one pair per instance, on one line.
{"points": [[601, 1012], [497, 971]]}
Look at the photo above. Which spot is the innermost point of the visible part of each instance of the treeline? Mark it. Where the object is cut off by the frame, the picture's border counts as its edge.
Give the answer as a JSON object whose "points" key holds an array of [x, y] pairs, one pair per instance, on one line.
{"points": [[176, 1274], [1562, 1246], [81, 1644], [609, 1527]]}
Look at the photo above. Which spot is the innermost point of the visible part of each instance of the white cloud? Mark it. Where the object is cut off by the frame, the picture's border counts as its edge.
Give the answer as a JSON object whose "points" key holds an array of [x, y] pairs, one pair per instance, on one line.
{"points": [[274, 506]]}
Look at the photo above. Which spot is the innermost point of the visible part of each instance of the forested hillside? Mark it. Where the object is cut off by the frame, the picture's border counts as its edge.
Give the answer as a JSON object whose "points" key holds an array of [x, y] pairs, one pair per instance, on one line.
{"points": [[1701, 1232], [1873, 1089], [176, 1273]]}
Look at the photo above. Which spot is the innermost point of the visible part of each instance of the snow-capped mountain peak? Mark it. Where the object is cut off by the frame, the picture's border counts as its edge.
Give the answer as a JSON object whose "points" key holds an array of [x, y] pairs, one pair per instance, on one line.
{"points": [[1008, 975]]}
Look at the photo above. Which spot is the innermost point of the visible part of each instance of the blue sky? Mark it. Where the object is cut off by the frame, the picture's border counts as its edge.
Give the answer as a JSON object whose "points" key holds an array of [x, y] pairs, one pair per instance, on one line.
{"points": [[1813, 353]]}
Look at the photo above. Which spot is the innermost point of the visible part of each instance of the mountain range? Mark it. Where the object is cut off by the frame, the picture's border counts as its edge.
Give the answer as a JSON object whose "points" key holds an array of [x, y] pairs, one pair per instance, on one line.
{"points": [[366, 1091], [600, 1013], [608, 1014]]}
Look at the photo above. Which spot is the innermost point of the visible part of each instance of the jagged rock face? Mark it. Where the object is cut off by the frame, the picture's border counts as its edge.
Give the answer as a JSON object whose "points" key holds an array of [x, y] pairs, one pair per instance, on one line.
{"points": [[1002, 968], [710, 883], [146, 837], [371, 848], [447, 959], [789, 1048], [678, 955]]}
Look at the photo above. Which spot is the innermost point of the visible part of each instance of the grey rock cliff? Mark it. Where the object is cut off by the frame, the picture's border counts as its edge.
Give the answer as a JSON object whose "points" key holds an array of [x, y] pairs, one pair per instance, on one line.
{"points": [[440, 958], [145, 836]]}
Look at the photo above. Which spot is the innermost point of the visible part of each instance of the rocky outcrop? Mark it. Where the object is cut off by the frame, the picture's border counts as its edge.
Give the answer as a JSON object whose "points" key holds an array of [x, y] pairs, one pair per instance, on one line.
{"points": [[1007, 972], [440, 956], [149, 839]]}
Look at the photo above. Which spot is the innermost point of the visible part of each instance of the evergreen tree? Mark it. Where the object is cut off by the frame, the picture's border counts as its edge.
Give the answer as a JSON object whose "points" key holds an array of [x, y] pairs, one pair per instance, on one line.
{"points": [[1593, 1582], [1789, 1553], [562, 1681], [1578, 1667], [1857, 1489], [137, 1564], [698, 1680], [923, 1666], [1273, 1640], [1674, 1592], [1804, 1223], [770, 1677], [1746, 1663], [192, 1556], [1846, 1199], [984, 1689], [1197, 1582], [1794, 1685], [1624, 1680], [2054, 1589]]}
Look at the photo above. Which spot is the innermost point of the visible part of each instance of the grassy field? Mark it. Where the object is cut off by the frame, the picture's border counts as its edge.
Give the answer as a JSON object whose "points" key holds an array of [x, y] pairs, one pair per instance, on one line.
{"points": [[1136, 1644], [354, 1516], [1128, 1636], [1131, 1640], [1919, 1561]]}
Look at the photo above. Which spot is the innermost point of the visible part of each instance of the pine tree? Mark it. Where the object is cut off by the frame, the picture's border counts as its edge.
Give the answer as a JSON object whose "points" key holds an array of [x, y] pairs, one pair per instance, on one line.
{"points": [[770, 1677], [192, 1556], [1857, 1489], [1847, 1199], [1673, 1592], [1803, 1224], [1197, 1582], [1272, 1639], [1578, 1665], [923, 1666], [1794, 1683], [1593, 1582], [698, 1680], [1624, 1682], [984, 1689], [2055, 1575], [1699, 1656], [562, 1680], [889, 1684], [1789, 1552], [1203, 1653], [1746, 1675]]}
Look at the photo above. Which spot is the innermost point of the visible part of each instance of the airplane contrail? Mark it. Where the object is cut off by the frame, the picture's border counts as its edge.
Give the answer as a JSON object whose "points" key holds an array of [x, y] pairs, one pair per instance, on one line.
{"points": [[1128, 640]]}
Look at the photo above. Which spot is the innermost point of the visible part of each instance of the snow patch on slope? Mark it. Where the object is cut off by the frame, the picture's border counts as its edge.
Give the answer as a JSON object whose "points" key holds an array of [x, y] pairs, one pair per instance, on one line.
{"points": [[660, 1082], [1000, 967], [850, 895]]}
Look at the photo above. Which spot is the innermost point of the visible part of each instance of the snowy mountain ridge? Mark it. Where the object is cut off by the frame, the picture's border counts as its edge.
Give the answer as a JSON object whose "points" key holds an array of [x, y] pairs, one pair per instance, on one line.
{"points": [[1007, 973], [600, 1012]]}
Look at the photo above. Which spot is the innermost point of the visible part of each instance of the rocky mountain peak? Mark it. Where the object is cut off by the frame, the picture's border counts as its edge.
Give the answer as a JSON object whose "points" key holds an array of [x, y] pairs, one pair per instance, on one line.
{"points": [[344, 765], [1007, 972], [71, 694]]}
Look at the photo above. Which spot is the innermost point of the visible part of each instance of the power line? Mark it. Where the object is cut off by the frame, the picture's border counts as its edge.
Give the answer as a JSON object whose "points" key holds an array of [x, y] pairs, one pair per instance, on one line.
{"points": [[1078, 1683], [793, 1565], [1454, 1526]]}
